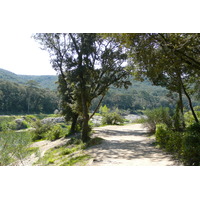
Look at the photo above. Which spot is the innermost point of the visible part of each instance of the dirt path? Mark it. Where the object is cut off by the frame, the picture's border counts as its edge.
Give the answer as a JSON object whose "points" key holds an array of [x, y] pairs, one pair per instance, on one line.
{"points": [[43, 147], [127, 146]]}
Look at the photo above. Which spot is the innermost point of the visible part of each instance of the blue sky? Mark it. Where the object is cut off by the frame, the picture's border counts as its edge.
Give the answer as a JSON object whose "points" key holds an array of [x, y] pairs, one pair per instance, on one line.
{"points": [[21, 54]]}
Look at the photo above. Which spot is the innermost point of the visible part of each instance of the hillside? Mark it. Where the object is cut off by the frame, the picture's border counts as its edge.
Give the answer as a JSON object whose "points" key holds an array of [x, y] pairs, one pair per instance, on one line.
{"points": [[45, 81], [139, 96]]}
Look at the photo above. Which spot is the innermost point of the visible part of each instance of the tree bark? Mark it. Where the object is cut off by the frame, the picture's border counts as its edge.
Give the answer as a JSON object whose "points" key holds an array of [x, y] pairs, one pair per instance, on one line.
{"points": [[85, 125], [97, 107], [74, 122], [182, 120], [190, 102], [181, 108], [85, 129], [85, 111]]}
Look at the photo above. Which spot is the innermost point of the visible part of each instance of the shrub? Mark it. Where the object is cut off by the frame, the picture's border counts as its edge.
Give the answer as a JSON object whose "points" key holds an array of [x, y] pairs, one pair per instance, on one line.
{"points": [[112, 118], [174, 143], [185, 145], [13, 146], [162, 135], [21, 124], [104, 109], [169, 139], [54, 133], [191, 145], [12, 125], [40, 130], [4, 122], [189, 118], [3, 126], [157, 116]]}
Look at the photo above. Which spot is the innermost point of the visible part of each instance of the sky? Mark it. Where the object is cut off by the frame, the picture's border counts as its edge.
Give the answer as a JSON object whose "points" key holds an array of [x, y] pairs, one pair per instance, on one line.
{"points": [[21, 54]]}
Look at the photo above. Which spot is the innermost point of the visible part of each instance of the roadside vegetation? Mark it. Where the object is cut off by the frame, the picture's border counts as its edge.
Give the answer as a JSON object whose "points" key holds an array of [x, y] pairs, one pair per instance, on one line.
{"points": [[183, 144], [96, 72], [18, 133]]}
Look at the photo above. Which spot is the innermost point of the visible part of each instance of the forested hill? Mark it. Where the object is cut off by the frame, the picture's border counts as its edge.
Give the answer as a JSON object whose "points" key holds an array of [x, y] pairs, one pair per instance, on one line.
{"points": [[45, 81], [139, 96]]}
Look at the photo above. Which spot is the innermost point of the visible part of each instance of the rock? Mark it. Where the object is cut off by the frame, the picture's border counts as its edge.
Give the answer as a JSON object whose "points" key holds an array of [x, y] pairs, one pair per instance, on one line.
{"points": [[96, 120], [132, 118], [53, 120]]}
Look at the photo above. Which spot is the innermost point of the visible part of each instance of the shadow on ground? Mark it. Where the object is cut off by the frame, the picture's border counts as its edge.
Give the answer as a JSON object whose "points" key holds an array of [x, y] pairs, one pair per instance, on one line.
{"points": [[127, 145]]}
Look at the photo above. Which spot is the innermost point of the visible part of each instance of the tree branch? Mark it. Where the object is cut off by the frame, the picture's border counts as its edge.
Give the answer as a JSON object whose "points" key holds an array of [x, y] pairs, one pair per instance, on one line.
{"points": [[97, 106]]}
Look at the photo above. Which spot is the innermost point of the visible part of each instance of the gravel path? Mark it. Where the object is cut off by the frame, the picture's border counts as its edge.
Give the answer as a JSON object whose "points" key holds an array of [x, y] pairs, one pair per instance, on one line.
{"points": [[127, 146]]}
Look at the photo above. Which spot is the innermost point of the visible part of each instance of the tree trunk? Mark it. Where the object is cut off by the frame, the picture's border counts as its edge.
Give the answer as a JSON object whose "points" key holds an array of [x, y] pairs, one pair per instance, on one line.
{"points": [[74, 122], [190, 102], [85, 111], [85, 129], [182, 120]]}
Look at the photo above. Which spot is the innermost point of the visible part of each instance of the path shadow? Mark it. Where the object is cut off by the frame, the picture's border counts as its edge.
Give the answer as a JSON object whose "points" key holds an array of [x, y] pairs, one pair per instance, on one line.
{"points": [[126, 149], [108, 133]]}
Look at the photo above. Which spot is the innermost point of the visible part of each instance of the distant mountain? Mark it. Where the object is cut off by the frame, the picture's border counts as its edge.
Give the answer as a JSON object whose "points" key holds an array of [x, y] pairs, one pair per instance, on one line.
{"points": [[45, 81]]}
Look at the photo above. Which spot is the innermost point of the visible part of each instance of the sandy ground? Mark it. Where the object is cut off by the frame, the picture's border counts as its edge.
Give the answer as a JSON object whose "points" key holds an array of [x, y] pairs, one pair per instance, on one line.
{"points": [[127, 145], [43, 147]]}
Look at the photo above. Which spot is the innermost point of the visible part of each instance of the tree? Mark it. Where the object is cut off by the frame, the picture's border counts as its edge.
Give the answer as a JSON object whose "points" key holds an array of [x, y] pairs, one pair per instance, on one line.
{"points": [[166, 59], [89, 65], [31, 94], [68, 103]]}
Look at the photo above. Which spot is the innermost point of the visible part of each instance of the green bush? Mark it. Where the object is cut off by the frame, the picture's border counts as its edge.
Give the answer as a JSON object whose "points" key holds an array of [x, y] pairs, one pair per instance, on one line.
{"points": [[13, 146], [40, 130], [185, 145], [3, 126], [12, 125], [169, 139], [191, 145], [162, 135], [157, 116], [49, 131], [104, 110], [54, 133], [174, 143], [112, 118], [4, 122]]}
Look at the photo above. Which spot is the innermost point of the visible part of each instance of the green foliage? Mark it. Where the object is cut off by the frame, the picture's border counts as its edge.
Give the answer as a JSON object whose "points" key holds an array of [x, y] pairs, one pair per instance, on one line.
{"points": [[189, 119], [45, 81], [40, 130], [80, 160], [157, 116], [67, 155], [49, 131], [191, 145], [3, 126], [13, 146], [139, 96], [4, 122], [162, 135], [112, 118], [75, 56], [54, 133], [104, 110], [184, 145], [17, 98], [12, 125]]}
